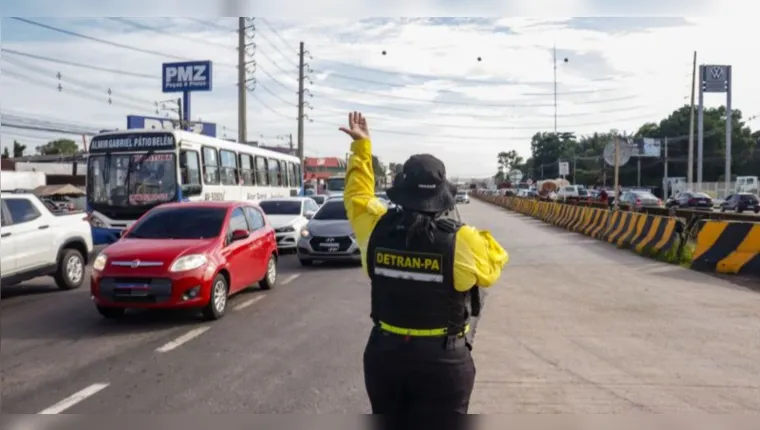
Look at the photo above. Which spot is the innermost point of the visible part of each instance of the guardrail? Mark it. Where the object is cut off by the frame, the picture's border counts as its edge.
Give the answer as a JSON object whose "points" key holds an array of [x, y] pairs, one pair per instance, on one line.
{"points": [[709, 241]]}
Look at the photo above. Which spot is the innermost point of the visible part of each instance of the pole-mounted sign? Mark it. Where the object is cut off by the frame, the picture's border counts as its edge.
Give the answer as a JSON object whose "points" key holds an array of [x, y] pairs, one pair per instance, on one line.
{"points": [[713, 79], [186, 77]]}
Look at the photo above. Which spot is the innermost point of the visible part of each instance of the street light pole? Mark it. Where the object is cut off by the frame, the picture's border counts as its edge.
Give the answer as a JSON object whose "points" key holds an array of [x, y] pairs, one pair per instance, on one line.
{"points": [[555, 88]]}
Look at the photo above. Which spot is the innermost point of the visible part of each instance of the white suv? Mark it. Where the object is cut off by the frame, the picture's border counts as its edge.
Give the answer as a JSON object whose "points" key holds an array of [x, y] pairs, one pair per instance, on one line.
{"points": [[36, 242]]}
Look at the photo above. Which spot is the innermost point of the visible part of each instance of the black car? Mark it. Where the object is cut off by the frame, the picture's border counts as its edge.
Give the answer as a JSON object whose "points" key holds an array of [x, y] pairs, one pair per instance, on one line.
{"points": [[690, 200], [741, 202]]}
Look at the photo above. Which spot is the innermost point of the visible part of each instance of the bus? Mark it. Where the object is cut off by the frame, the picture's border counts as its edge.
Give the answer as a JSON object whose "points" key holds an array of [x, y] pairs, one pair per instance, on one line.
{"points": [[129, 172], [335, 185]]}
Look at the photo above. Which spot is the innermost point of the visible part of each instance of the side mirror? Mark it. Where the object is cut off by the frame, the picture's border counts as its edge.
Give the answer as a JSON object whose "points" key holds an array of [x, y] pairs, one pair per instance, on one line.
{"points": [[309, 215], [240, 235]]}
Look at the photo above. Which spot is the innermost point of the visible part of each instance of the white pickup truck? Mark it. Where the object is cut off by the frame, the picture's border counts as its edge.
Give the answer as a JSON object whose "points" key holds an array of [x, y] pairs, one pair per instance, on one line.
{"points": [[35, 242]]}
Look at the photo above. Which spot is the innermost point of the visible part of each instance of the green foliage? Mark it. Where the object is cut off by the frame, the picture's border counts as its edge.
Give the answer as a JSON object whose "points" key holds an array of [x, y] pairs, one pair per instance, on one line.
{"points": [[18, 149], [59, 147], [547, 149], [6, 154]]}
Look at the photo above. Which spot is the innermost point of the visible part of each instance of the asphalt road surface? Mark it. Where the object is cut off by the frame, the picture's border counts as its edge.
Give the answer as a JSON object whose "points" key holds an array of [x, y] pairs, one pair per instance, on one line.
{"points": [[574, 326]]}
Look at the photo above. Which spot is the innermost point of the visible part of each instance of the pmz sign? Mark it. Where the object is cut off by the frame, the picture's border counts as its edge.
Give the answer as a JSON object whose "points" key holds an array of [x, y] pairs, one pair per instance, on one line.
{"points": [[136, 121], [186, 76]]}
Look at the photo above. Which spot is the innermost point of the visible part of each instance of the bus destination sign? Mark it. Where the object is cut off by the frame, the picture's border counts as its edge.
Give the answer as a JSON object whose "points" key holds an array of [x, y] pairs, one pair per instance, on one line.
{"points": [[133, 142]]}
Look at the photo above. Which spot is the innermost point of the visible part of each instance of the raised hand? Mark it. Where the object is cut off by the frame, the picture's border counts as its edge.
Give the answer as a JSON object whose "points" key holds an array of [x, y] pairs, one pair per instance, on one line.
{"points": [[357, 126]]}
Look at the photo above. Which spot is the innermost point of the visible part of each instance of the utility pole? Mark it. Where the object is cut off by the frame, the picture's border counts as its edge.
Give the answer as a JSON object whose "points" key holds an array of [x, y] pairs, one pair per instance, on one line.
{"points": [[690, 169], [303, 68], [243, 81], [574, 160]]}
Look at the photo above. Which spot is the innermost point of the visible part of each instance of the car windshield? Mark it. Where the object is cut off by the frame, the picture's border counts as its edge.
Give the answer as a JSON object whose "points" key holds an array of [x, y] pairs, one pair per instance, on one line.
{"points": [[332, 211], [179, 223], [281, 207], [701, 196], [645, 195], [461, 193], [130, 180], [336, 184]]}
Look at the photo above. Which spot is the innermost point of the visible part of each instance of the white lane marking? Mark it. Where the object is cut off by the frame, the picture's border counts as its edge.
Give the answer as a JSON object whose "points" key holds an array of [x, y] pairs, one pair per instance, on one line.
{"points": [[73, 399], [291, 278], [187, 337], [248, 302]]}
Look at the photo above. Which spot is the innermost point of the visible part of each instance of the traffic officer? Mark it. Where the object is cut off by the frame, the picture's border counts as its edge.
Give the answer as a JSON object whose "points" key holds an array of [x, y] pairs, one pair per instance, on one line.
{"points": [[422, 267]]}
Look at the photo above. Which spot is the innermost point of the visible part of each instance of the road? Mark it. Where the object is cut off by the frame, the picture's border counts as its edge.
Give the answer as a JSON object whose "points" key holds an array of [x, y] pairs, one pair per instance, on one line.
{"points": [[574, 326]]}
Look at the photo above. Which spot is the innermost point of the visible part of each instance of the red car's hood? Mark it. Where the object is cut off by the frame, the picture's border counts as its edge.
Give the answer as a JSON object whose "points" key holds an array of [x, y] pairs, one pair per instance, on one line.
{"points": [[163, 250]]}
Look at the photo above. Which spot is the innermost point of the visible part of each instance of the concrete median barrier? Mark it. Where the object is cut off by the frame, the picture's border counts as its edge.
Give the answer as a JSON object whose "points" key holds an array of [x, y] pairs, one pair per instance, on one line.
{"points": [[727, 247], [644, 233]]}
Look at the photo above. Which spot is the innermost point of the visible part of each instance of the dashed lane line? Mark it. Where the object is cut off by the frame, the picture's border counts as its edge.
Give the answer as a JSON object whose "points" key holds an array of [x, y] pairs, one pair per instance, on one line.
{"points": [[290, 279], [73, 399], [187, 337], [247, 303]]}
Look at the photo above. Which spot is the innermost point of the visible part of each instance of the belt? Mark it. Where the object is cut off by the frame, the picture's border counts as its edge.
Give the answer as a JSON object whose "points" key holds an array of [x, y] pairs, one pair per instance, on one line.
{"points": [[413, 332]]}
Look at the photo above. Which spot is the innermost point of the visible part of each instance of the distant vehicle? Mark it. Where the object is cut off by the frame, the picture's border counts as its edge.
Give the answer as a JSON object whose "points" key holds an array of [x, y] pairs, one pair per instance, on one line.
{"points": [[690, 200], [319, 198], [335, 184], [37, 242], [328, 236], [640, 199], [186, 255], [288, 216], [133, 171], [572, 192], [741, 202], [462, 197]]}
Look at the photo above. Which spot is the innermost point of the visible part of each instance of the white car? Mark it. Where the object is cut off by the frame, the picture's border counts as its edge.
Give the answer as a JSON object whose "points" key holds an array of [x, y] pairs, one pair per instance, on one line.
{"points": [[36, 242], [288, 215]]}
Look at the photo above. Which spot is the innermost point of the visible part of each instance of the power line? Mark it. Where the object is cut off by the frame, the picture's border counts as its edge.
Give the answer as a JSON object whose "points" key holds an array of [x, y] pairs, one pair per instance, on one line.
{"points": [[74, 64], [166, 33]]}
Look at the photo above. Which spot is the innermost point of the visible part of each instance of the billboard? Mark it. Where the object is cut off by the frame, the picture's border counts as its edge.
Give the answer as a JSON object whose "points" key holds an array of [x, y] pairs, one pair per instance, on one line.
{"points": [[186, 76], [646, 147], [156, 123]]}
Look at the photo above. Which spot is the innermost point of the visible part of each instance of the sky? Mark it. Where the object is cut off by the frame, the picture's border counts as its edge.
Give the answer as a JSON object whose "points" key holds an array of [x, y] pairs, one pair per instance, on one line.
{"points": [[429, 92]]}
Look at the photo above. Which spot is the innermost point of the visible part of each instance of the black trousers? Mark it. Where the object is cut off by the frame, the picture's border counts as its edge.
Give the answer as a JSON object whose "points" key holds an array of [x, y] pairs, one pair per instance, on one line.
{"points": [[417, 377]]}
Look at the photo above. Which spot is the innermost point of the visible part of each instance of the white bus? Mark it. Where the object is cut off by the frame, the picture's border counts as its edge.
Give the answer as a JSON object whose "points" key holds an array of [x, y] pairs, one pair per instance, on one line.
{"points": [[132, 171]]}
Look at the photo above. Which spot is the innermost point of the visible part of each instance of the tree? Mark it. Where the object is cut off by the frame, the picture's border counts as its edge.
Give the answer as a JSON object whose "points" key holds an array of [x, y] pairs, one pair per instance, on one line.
{"points": [[6, 154], [379, 170], [59, 147], [509, 160], [18, 149]]}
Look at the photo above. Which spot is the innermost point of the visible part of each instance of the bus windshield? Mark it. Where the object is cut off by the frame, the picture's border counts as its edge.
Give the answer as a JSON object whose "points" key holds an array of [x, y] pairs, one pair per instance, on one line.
{"points": [[335, 184], [131, 180]]}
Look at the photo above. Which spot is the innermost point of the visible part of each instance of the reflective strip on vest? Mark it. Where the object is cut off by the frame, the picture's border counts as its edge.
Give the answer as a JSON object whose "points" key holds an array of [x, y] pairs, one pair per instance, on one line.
{"points": [[419, 332]]}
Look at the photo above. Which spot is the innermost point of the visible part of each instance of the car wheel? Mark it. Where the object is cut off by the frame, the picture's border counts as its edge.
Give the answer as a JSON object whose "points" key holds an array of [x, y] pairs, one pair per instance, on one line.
{"points": [[217, 302], [306, 262], [270, 278], [70, 272], [110, 312], [739, 210]]}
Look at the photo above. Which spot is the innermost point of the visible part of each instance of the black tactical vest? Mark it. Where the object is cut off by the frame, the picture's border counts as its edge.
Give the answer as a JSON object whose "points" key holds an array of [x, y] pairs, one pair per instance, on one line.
{"points": [[413, 286]]}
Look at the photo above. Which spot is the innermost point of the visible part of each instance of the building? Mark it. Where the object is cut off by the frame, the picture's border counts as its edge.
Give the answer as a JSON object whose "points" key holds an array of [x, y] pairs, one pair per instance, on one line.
{"points": [[322, 168]]}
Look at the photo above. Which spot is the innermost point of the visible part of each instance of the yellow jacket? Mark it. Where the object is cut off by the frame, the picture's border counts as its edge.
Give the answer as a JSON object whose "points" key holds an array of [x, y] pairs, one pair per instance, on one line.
{"points": [[478, 259]]}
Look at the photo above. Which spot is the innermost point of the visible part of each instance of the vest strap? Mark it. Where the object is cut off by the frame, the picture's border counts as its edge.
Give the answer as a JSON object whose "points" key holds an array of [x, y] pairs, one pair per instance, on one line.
{"points": [[413, 332]]}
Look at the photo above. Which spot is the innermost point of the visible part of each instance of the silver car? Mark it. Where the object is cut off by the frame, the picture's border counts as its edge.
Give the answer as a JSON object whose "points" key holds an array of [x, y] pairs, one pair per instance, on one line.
{"points": [[328, 236]]}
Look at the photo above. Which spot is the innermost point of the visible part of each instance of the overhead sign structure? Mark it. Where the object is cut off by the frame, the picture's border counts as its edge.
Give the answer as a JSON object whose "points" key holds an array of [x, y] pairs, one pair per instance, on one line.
{"points": [[186, 77], [646, 147], [156, 123], [564, 168], [714, 79]]}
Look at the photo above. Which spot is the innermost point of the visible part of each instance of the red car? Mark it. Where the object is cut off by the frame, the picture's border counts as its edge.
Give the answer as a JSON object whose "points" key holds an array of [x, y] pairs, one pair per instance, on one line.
{"points": [[186, 255]]}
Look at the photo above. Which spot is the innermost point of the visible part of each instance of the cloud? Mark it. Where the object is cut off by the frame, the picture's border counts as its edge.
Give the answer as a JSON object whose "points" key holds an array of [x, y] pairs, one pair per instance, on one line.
{"points": [[429, 93]]}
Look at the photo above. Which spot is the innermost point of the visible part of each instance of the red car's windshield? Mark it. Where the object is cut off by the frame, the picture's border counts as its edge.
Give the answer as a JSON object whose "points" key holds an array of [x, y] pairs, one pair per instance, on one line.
{"points": [[179, 223]]}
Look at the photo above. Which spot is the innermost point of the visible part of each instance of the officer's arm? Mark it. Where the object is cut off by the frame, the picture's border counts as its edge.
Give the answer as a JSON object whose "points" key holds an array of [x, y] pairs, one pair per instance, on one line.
{"points": [[362, 206], [478, 259]]}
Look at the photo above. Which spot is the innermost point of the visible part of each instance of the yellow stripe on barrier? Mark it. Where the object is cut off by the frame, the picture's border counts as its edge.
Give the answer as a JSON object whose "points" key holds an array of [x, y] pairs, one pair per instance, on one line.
{"points": [[649, 235], [624, 216], [745, 252], [707, 237], [667, 235]]}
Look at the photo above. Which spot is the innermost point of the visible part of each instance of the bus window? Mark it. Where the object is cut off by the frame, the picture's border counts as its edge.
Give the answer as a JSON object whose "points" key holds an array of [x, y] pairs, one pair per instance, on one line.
{"points": [[297, 172], [291, 176], [210, 166], [275, 174], [262, 172], [229, 167], [190, 167], [246, 170]]}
